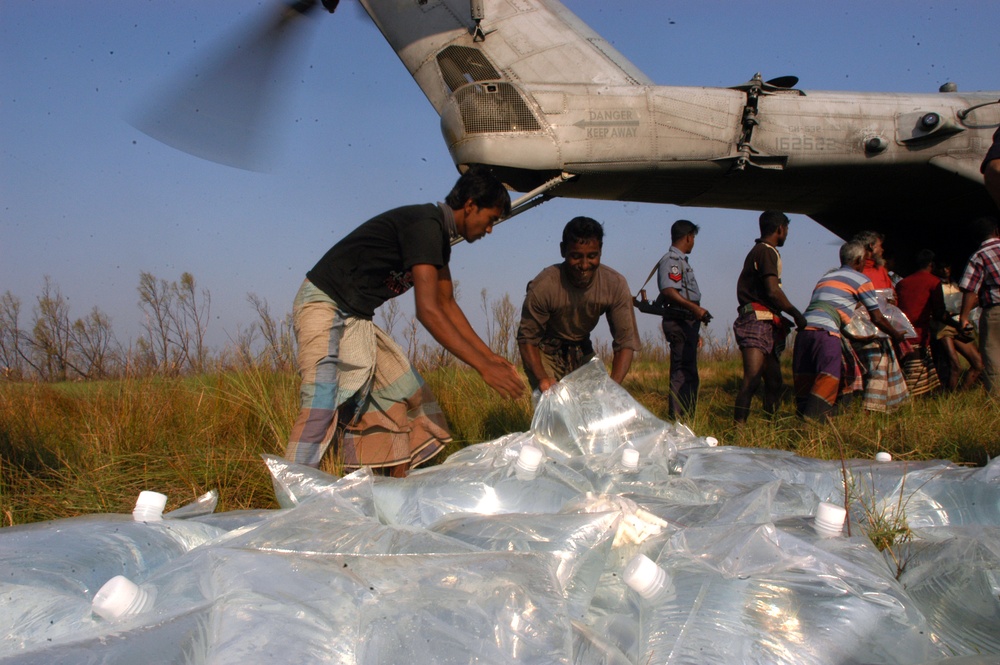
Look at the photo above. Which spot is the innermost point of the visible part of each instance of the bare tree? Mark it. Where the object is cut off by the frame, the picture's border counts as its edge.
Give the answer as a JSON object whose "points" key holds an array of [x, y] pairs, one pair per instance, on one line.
{"points": [[504, 339], [242, 348], [501, 325], [389, 315], [144, 361], [12, 362], [176, 322], [50, 334], [95, 351], [484, 304], [156, 300], [412, 337], [190, 318], [55, 349], [279, 339]]}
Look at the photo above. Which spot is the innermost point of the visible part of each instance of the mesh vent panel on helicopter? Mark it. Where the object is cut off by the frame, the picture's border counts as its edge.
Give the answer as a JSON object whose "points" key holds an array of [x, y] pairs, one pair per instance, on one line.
{"points": [[461, 65], [494, 107]]}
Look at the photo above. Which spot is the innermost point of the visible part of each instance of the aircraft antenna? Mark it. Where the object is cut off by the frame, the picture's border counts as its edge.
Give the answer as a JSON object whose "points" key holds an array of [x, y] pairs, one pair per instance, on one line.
{"points": [[963, 113]]}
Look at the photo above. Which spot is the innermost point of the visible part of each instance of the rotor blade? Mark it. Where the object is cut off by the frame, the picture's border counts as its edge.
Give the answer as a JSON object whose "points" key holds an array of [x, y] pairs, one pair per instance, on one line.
{"points": [[784, 81], [220, 110]]}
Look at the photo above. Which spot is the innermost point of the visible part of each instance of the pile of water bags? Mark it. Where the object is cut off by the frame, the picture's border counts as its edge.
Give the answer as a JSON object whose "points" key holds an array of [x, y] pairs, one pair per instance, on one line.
{"points": [[602, 536]]}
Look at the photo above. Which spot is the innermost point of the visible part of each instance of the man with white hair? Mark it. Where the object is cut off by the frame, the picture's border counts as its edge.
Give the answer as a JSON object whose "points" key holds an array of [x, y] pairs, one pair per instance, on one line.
{"points": [[820, 347]]}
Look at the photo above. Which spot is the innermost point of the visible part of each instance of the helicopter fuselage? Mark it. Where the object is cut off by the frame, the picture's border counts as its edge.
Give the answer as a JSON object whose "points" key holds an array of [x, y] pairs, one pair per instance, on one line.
{"points": [[815, 153], [531, 90]]}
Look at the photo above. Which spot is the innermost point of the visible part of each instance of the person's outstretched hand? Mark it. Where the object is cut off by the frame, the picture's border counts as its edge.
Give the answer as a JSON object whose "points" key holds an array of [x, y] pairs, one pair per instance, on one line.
{"points": [[503, 377]]}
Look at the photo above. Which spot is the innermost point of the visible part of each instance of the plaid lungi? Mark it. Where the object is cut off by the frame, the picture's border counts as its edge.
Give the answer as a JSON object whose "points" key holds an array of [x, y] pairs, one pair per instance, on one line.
{"points": [[920, 373], [354, 374], [764, 334], [852, 372], [885, 387]]}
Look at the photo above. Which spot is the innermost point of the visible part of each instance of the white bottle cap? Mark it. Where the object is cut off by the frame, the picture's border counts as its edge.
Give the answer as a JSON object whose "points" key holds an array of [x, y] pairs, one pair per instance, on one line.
{"points": [[528, 461], [645, 577], [149, 507], [711, 440], [883, 457], [119, 597], [829, 520], [630, 458]]}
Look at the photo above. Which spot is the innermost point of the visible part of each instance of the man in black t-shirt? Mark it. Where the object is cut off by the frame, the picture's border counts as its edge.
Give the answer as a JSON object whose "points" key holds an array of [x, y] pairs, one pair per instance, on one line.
{"points": [[760, 330], [353, 374]]}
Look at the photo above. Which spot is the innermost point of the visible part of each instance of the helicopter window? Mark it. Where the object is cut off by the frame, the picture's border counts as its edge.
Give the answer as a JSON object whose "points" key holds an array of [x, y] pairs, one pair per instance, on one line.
{"points": [[461, 65]]}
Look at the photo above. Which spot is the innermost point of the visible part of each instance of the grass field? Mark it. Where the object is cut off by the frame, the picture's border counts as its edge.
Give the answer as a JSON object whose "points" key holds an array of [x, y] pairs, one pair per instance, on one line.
{"points": [[74, 448]]}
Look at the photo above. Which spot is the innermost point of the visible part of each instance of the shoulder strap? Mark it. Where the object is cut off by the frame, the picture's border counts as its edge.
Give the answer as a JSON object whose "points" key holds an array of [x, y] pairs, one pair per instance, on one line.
{"points": [[651, 273]]}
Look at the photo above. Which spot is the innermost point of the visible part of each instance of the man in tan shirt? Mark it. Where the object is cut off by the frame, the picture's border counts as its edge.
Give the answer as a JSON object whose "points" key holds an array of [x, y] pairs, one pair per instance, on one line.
{"points": [[563, 305]]}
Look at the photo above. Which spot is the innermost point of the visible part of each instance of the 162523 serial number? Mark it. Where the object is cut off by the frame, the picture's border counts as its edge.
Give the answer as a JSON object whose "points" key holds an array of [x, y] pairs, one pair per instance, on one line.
{"points": [[794, 143]]}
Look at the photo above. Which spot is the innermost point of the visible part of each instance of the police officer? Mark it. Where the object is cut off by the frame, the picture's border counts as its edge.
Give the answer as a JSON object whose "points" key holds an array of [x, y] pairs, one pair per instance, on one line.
{"points": [[683, 318]]}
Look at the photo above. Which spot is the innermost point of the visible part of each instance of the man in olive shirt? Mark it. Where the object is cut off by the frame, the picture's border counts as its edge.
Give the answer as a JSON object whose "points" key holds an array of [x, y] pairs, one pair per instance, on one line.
{"points": [[563, 305]]}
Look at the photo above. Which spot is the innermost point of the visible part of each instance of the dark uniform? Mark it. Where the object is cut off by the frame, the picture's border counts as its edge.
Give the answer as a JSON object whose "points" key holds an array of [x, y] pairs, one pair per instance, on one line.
{"points": [[681, 331]]}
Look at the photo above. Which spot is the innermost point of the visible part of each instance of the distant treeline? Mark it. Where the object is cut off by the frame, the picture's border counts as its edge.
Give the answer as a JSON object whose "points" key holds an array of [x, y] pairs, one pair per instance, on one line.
{"points": [[47, 344]]}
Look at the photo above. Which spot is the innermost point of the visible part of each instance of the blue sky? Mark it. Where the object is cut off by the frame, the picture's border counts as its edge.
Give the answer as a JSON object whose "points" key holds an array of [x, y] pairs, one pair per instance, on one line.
{"points": [[91, 202]]}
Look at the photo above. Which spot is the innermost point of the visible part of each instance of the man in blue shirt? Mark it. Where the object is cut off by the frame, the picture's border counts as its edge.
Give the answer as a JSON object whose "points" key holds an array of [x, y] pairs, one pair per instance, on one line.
{"points": [[818, 357], [682, 323]]}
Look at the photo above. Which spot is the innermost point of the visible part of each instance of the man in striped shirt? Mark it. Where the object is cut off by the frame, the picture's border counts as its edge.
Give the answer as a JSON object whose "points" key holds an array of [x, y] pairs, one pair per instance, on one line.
{"points": [[981, 286], [819, 350]]}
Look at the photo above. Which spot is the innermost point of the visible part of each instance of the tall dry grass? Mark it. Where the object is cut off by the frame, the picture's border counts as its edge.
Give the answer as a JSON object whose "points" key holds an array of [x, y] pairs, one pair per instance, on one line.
{"points": [[91, 447], [75, 448], [963, 427], [475, 412]]}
